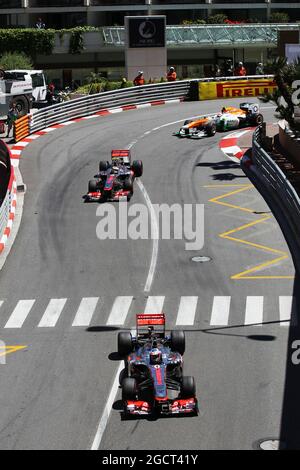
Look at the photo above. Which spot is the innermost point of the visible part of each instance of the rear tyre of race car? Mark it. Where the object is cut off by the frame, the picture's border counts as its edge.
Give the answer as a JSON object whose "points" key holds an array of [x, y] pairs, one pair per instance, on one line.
{"points": [[128, 184], [125, 344], [188, 387], [129, 389], [137, 168], [93, 186], [211, 129], [103, 166], [178, 341]]}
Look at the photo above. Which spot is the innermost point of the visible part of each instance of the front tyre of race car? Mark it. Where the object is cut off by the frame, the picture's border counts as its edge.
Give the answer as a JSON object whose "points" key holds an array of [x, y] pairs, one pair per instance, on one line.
{"points": [[93, 186], [125, 343], [188, 387], [178, 341], [137, 168], [211, 129], [129, 389]]}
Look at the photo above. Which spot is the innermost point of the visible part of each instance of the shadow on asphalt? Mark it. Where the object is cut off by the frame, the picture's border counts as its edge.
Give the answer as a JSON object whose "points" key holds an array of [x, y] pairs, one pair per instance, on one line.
{"points": [[226, 176], [290, 420], [224, 165], [101, 329]]}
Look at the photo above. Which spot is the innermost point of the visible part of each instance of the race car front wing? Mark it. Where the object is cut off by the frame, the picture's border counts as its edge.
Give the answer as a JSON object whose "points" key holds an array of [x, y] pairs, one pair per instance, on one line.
{"points": [[171, 407]]}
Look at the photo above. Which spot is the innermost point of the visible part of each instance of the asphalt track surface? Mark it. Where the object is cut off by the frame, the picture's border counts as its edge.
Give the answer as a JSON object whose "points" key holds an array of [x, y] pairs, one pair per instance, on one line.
{"points": [[54, 391]]}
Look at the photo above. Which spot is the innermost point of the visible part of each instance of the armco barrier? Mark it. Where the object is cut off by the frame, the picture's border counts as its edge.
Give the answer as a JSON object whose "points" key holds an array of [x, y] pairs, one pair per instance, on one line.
{"points": [[22, 127], [281, 191], [88, 105]]}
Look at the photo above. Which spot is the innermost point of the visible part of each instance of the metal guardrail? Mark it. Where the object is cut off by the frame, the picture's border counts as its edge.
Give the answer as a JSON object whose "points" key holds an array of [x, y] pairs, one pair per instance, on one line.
{"points": [[90, 104], [281, 188]]}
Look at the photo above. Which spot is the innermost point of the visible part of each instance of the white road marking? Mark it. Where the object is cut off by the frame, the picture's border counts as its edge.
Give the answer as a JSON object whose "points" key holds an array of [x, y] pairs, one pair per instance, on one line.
{"points": [[187, 310], [119, 310], [108, 407], [287, 310], [254, 310], [220, 311], [155, 237], [19, 314], [52, 313], [85, 311], [154, 304]]}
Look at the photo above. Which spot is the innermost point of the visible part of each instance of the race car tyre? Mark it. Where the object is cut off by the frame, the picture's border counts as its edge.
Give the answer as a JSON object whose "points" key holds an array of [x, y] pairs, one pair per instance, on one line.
{"points": [[178, 341], [258, 119], [186, 122], [103, 166], [129, 389], [128, 184], [137, 168], [125, 345], [93, 186], [211, 129], [188, 387]]}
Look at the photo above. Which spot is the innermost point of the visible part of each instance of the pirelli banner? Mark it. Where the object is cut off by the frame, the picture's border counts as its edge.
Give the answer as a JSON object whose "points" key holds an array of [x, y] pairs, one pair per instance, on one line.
{"points": [[235, 88]]}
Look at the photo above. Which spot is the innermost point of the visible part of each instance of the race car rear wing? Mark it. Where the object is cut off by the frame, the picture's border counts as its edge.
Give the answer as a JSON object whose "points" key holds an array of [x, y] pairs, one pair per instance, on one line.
{"points": [[120, 154], [144, 319], [148, 321]]}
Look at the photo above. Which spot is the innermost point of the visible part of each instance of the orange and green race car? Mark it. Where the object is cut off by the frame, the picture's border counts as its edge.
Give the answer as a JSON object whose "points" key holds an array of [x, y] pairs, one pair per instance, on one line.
{"points": [[230, 118]]}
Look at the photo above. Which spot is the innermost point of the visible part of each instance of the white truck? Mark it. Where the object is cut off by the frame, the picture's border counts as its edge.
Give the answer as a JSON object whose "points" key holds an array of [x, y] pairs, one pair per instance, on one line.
{"points": [[16, 89], [37, 80]]}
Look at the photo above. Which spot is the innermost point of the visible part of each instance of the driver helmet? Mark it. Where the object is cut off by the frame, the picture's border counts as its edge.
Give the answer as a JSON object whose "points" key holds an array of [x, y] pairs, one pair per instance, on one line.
{"points": [[223, 110], [241, 64], [155, 356]]}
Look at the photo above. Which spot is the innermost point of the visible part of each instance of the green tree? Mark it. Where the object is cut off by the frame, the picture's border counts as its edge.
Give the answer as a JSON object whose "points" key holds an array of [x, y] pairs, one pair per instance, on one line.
{"points": [[219, 18], [284, 75], [15, 60], [279, 17]]}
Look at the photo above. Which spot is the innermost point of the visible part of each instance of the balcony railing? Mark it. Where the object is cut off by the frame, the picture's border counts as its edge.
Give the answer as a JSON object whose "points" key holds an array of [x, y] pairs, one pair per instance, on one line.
{"points": [[10, 4], [55, 3]]}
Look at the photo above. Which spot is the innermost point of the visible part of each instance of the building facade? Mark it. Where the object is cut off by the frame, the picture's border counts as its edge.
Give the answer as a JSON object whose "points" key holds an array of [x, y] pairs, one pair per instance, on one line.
{"points": [[18, 13]]}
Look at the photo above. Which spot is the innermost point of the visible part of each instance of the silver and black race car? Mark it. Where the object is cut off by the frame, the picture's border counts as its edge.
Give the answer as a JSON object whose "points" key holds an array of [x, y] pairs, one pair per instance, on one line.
{"points": [[153, 380], [115, 179]]}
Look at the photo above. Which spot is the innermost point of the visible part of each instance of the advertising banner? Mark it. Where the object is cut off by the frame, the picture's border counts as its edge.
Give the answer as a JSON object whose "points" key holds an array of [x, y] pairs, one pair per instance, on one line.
{"points": [[236, 88]]}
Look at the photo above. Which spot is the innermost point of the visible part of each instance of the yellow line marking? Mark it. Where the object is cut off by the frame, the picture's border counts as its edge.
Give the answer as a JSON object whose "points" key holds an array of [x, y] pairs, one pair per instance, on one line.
{"points": [[5, 350], [245, 274]]}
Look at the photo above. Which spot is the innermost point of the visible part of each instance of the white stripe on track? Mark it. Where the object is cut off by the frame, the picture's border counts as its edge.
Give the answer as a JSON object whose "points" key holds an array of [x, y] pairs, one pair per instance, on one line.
{"points": [[220, 311], [287, 310], [254, 310], [119, 310], [154, 304], [19, 314], [52, 313], [85, 311], [187, 310]]}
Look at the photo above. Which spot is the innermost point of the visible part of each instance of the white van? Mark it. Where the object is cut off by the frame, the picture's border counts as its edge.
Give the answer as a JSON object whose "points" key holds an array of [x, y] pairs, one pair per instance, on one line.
{"points": [[39, 87]]}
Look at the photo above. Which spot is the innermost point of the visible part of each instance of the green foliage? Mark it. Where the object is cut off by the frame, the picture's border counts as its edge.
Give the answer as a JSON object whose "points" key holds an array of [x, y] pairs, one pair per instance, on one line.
{"points": [[284, 75], [279, 17], [29, 41], [219, 18], [76, 40], [196, 22], [104, 85], [15, 60]]}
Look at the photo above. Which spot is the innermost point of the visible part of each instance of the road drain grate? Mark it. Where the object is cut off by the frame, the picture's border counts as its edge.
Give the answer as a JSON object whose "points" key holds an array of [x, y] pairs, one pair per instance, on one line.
{"points": [[201, 259]]}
